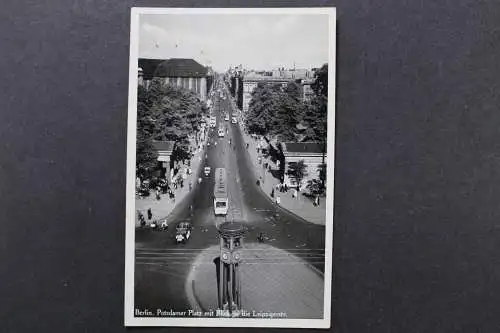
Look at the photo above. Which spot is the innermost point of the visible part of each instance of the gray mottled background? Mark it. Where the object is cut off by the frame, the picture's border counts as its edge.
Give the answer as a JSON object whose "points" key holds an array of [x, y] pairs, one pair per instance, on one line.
{"points": [[417, 165]]}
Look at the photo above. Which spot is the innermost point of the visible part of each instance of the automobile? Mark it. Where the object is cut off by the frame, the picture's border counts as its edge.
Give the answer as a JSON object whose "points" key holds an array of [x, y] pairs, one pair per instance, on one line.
{"points": [[234, 121], [221, 133], [207, 170], [183, 232], [226, 118]]}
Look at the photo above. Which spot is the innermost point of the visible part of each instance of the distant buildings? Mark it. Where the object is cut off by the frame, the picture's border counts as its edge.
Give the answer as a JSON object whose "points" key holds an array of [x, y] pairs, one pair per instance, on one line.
{"points": [[184, 73], [250, 80]]}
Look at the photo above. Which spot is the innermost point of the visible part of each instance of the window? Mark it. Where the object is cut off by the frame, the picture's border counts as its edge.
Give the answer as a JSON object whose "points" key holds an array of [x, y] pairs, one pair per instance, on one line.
{"points": [[220, 204]]}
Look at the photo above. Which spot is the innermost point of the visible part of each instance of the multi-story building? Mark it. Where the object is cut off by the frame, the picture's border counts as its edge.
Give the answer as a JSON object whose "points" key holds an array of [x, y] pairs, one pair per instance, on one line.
{"points": [[185, 73], [303, 77]]}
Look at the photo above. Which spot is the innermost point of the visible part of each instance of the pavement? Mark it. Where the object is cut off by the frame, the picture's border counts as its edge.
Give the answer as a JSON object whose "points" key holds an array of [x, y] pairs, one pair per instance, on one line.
{"points": [[272, 280], [163, 207], [301, 205]]}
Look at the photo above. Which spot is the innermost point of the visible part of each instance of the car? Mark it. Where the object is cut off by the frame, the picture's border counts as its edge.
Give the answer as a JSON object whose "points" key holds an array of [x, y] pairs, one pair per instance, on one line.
{"points": [[221, 133], [207, 170], [183, 232], [234, 121], [226, 118]]}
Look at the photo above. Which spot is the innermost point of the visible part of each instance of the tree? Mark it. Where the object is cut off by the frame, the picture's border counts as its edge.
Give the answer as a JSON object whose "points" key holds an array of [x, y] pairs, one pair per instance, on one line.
{"points": [[146, 155], [286, 116], [260, 109], [165, 113], [294, 91], [320, 85], [297, 170], [315, 119], [314, 187], [322, 173]]}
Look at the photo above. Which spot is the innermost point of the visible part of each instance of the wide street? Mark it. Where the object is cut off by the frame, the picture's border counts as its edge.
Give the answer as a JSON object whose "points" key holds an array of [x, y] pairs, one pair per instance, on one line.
{"points": [[162, 266]]}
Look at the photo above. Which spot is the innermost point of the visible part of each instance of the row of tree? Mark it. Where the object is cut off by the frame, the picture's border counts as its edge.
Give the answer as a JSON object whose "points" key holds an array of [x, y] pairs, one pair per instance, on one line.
{"points": [[280, 112], [165, 113]]}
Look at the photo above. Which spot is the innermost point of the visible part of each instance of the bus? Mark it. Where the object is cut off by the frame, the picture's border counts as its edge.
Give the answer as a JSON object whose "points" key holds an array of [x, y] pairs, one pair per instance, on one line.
{"points": [[213, 121], [221, 201]]}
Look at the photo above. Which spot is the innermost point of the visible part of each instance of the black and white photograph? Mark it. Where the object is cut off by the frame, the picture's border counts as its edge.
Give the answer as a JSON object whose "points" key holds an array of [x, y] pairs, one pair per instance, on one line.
{"points": [[230, 166]]}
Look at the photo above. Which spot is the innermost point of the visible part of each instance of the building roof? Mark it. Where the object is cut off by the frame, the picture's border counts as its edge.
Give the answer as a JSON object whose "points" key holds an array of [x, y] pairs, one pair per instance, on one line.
{"points": [[303, 147], [164, 145], [180, 68], [148, 67]]}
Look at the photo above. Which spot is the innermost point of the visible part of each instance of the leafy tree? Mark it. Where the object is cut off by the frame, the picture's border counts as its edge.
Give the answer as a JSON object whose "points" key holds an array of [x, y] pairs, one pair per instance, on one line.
{"points": [[146, 155], [320, 85], [285, 117], [294, 91], [322, 173], [297, 170], [315, 187], [315, 119], [260, 109], [165, 113]]}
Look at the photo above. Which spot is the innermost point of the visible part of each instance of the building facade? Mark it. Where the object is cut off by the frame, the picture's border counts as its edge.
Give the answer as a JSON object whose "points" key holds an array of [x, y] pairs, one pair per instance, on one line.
{"points": [[303, 77], [147, 68], [185, 73], [164, 150], [312, 153]]}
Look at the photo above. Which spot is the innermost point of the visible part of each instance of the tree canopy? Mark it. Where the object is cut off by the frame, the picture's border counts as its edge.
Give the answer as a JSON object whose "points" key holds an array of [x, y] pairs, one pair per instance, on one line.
{"points": [[281, 111], [165, 113], [297, 170]]}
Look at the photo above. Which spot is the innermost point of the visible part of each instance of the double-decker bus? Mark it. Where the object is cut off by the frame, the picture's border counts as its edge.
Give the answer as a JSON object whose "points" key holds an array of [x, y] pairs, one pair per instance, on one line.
{"points": [[221, 201]]}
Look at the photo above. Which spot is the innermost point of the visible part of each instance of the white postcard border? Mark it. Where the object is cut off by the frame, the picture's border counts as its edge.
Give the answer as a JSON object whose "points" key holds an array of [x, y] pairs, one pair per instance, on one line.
{"points": [[129, 319]]}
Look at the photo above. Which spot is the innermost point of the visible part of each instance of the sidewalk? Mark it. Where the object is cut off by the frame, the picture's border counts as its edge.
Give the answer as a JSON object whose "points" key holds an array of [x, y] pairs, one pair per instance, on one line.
{"points": [[301, 206], [272, 280], [163, 207]]}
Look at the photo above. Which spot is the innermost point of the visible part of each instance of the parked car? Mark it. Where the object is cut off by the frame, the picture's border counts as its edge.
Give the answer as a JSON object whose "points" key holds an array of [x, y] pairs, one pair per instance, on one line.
{"points": [[234, 121], [207, 170]]}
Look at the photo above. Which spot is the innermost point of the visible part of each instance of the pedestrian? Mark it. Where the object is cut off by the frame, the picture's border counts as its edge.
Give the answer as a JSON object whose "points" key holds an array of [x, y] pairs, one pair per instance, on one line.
{"points": [[190, 186], [164, 224], [294, 193], [260, 238], [150, 214], [158, 193], [173, 197], [247, 145], [272, 193]]}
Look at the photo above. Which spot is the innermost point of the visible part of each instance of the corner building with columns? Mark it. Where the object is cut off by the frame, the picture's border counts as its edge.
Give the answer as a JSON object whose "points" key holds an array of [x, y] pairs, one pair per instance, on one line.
{"points": [[185, 73]]}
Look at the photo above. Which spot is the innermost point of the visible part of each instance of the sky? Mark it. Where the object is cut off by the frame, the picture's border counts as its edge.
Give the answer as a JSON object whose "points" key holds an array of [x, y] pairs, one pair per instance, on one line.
{"points": [[265, 41]]}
